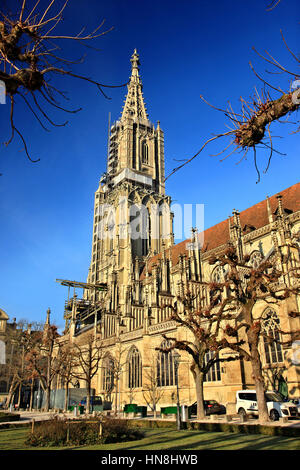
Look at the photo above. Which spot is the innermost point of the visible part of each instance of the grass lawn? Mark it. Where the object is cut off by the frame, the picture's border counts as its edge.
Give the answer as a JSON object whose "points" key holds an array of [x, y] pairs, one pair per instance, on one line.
{"points": [[168, 439]]}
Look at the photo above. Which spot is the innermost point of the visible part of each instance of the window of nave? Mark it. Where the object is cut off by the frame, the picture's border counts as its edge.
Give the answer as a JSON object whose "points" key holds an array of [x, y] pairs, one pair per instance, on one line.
{"points": [[145, 153], [134, 377], [271, 337], [218, 274], [108, 367], [2, 352], [255, 259], [166, 367], [214, 373]]}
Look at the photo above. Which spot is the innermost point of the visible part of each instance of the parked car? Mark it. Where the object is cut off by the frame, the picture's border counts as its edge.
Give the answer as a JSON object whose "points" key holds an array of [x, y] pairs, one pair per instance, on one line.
{"points": [[246, 405], [296, 401], [211, 407]]}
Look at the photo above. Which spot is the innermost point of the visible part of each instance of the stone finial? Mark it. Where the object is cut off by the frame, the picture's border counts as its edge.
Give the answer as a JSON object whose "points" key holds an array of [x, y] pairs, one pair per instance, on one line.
{"points": [[48, 317], [135, 62], [270, 215], [280, 208]]}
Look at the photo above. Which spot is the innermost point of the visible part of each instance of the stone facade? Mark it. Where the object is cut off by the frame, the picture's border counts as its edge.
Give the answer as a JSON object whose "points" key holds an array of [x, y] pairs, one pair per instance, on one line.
{"points": [[7, 331], [144, 276]]}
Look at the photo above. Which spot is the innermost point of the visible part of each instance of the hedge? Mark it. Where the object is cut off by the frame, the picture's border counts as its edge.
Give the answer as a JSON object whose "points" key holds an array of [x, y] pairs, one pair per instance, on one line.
{"points": [[4, 417], [222, 427]]}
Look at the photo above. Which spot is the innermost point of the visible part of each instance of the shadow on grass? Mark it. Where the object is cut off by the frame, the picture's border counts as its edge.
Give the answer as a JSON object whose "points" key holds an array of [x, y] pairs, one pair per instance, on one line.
{"points": [[200, 440], [168, 439]]}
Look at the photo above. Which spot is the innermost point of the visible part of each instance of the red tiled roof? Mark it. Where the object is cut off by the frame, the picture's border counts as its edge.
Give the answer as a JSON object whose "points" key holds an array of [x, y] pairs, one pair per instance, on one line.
{"points": [[255, 216]]}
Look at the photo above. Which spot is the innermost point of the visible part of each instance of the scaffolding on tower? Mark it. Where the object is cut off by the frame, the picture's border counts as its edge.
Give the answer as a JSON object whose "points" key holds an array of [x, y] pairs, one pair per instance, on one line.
{"points": [[87, 312]]}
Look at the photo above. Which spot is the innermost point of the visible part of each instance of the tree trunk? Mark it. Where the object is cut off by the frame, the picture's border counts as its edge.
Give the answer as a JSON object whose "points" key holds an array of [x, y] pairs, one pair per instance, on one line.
{"points": [[116, 399], [88, 398], [47, 397], [258, 377], [198, 377], [31, 395], [11, 393], [19, 395], [66, 397]]}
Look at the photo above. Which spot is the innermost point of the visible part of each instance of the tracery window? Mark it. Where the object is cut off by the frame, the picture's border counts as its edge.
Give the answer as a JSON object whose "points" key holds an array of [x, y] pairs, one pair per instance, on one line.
{"points": [[134, 369], [166, 367], [108, 374], [217, 277], [218, 274], [272, 347], [145, 157], [214, 372], [2, 352], [255, 259]]}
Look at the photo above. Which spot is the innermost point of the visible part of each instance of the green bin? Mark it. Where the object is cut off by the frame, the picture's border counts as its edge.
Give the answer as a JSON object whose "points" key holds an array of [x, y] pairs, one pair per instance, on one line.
{"points": [[142, 410], [130, 408]]}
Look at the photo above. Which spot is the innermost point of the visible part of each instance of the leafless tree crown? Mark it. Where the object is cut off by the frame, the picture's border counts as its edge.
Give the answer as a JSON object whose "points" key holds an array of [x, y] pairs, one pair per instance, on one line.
{"points": [[30, 55]]}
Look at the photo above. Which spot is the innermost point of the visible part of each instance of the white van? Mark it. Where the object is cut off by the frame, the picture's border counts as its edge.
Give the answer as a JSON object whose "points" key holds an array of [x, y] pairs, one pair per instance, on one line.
{"points": [[246, 404]]}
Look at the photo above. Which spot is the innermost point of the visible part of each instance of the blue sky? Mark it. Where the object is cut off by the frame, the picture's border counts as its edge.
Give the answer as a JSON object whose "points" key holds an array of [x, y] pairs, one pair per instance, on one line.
{"points": [[187, 49]]}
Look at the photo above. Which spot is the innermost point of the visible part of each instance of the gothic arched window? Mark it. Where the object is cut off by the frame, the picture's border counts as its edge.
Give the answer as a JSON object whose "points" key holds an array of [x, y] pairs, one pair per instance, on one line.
{"points": [[255, 259], [218, 274], [145, 156], [271, 340], [139, 229], [108, 374], [214, 372], [2, 352], [111, 228], [166, 367], [134, 369]]}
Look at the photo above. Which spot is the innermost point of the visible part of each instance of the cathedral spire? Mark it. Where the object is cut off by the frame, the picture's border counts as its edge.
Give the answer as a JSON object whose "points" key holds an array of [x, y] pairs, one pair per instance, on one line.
{"points": [[134, 107]]}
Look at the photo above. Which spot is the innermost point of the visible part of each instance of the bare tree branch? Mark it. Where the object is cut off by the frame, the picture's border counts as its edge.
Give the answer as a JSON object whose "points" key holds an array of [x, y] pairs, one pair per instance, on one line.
{"points": [[27, 61]]}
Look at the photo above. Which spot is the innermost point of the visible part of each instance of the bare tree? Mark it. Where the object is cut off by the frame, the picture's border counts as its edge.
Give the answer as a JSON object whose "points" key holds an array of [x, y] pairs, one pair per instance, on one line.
{"points": [[250, 126], [88, 353], [118, 365], [152, 392], [273, 4], [20, 340], [204, 322], [41, 361], [245, 288], [30, 55], [66, 362]]}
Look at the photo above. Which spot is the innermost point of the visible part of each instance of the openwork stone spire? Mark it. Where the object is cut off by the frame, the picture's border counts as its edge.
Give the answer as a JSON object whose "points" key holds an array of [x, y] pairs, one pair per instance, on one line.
{"points": [[134, 107]]}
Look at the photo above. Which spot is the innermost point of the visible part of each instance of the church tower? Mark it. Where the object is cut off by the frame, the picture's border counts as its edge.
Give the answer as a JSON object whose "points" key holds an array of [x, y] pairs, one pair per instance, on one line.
{"points": [[132, 218]]}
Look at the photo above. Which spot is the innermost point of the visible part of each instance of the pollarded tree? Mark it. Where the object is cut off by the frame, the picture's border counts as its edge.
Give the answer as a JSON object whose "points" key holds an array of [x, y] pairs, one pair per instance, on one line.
{"points": [[250, 127], [65, 363], [20, 340], [247, 288], [117, 367], [41, 361], [31, 59], [152, 392], [205, 323], [88, 354]]}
